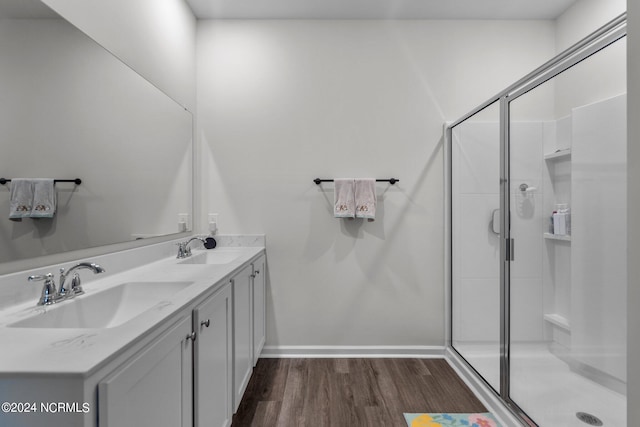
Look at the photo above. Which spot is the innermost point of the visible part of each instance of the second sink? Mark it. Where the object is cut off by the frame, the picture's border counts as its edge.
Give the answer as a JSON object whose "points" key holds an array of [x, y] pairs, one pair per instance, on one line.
{"points": [[216, 256]]}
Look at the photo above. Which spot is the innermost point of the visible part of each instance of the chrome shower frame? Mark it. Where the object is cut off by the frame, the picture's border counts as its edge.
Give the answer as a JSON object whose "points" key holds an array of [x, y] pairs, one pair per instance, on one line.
{"points": [[590, 45]]}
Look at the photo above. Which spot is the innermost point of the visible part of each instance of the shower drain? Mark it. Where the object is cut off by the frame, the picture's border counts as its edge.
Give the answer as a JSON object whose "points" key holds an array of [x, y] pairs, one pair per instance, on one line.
{"points": [[592, 420]]}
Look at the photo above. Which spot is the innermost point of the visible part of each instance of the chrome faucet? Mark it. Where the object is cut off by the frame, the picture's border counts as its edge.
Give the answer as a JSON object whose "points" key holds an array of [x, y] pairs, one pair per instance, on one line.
{"points": [[76, 284], [51, 295], [184, 250]]}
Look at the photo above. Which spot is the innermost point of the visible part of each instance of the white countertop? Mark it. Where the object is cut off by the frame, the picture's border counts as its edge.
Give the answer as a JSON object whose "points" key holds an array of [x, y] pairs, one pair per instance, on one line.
{"points": [[83, 351]]}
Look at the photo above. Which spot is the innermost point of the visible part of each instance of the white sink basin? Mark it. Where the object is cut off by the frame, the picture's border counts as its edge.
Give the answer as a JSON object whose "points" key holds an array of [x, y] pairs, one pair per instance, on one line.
{"points": [[214, 256], [105, 309]]}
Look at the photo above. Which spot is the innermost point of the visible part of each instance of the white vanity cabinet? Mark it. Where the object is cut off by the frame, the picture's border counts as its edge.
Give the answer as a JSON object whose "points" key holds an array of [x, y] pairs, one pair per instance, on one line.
{"points": [[242, 332], [155, 387], [213, 363], [259, 288], [249, 323], [186, 363]]}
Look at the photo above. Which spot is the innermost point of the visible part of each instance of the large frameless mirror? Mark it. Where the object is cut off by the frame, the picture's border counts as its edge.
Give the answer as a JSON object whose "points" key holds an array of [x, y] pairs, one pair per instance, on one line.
{"points": [[70, 109]]}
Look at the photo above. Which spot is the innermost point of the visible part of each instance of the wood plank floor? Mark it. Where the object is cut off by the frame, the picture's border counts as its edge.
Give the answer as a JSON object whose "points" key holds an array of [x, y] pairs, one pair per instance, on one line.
{"points": [[350, 392]]}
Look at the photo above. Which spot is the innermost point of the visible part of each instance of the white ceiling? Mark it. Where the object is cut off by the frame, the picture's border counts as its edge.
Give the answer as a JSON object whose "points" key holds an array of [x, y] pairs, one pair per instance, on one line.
{"points": [[25, 9], [340, 9], [379, 9]]}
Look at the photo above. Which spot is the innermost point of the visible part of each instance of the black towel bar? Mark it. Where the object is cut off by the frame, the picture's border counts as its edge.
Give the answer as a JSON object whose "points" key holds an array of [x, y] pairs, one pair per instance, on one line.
{"points": [[77, 181], [391, 181]]}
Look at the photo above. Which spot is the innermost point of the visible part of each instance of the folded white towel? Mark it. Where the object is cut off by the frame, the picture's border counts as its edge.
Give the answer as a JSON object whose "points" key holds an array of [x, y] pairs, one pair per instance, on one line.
{"points": [[344, 198], [21, 199], [366, 198], [44, 198]]}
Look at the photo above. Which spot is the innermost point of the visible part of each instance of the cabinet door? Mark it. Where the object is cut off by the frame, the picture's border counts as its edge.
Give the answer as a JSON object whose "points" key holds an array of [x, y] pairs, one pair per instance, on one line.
{"points": [[259, 308], [242, 333], [155, 388], [213, 360]]}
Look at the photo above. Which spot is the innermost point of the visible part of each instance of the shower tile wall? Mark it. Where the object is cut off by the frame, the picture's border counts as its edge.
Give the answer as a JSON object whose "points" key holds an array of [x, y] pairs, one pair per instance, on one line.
{"points": [[526, 222], [476, 249], [599, 223], [477, 271], [584, 279], [478, 257]]}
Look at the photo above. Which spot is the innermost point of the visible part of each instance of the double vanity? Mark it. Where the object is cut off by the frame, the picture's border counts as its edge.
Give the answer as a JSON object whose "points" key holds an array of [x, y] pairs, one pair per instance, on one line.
{"points": [[167, 342]]}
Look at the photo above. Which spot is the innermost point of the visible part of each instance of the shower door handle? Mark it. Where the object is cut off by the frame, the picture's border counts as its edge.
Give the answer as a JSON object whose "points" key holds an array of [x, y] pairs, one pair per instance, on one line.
{"points": [[510, 247], [495, 221]]}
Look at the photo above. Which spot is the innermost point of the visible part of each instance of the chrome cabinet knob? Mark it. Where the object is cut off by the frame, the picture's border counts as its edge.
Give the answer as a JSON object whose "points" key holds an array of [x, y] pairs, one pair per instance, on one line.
{"points": [[191, 336], [205, 323]]}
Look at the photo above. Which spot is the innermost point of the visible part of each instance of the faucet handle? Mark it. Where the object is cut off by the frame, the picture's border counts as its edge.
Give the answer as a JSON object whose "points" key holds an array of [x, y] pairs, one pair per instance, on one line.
{"points": [[49, 292], [181, 250], [39, 277], [76, 286]]}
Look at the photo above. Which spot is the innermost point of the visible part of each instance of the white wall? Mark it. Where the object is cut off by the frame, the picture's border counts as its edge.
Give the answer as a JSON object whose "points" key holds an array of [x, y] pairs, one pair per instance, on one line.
{"points": [[633, 207], [583, 18], [156, 38], [282, 102], [579, 87]]}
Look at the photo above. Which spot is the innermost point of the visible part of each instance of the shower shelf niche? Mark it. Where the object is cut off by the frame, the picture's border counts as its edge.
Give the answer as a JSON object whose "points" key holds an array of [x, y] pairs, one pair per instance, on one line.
{"points": [[562, 237], [558, 287], [558, 155], [558, 320]]}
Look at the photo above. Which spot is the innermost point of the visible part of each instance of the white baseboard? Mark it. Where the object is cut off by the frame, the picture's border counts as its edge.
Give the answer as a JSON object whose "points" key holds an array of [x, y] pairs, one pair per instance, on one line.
{"points": [[362, 351]]}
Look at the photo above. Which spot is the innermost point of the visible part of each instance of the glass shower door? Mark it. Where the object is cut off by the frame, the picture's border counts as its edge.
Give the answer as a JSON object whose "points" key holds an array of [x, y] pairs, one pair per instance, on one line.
{"points": [[475, 242], [567, 282]]}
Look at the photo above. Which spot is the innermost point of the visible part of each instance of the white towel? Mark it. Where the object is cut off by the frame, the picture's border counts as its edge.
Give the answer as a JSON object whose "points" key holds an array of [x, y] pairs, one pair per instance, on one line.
{"points": [[44, 198], [365, 194], [21, 199], [344, 198]]}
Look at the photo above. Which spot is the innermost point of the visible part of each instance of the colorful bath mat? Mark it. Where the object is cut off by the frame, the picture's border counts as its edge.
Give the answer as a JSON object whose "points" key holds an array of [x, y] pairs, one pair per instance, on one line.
{"points": [[484, 419]]}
